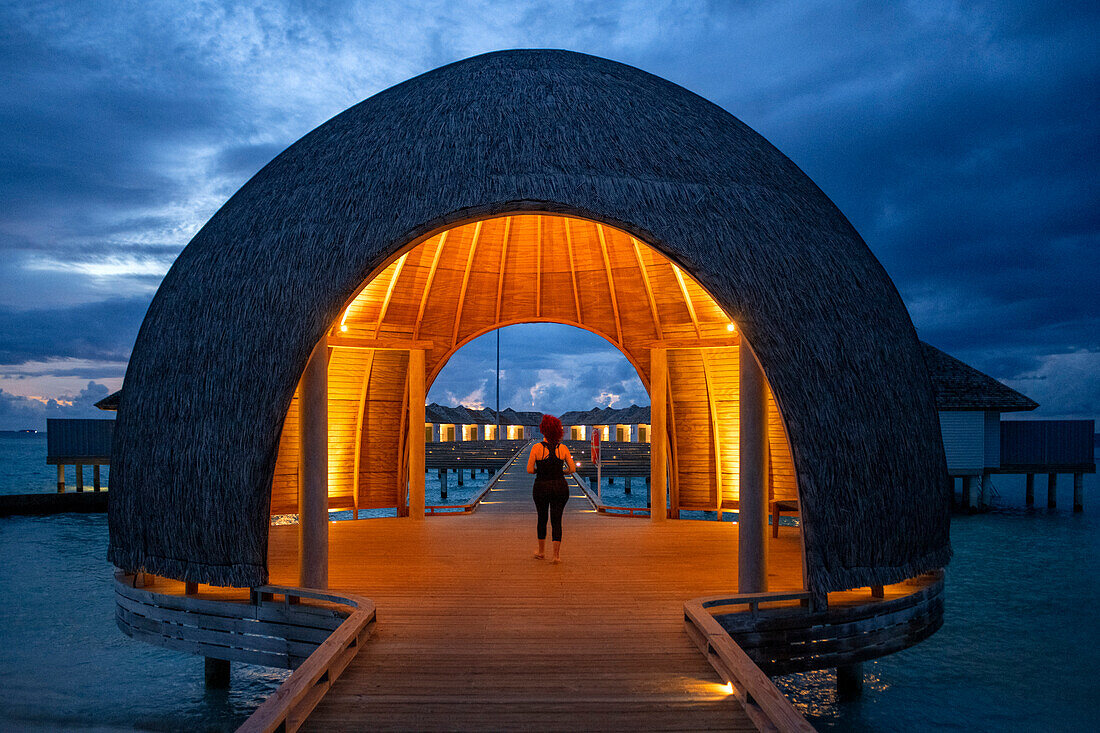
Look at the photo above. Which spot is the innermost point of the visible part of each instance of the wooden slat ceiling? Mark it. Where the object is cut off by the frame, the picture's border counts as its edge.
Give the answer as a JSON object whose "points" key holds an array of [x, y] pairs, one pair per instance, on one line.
{"points": [[532, 268]]}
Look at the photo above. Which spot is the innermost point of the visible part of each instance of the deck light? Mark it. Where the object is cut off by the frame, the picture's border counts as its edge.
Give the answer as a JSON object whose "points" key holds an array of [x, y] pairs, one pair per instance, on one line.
{"points": [[730, 327], [344, 327]]}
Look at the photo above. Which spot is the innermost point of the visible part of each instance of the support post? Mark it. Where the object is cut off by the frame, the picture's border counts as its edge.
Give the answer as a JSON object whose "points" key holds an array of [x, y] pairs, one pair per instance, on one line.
{"points": [[849, 680], [80, 478], [60, 479], [415, 440], [969, 495], [626, 486], [984, 490], [442, 483], [217, 673], [313, 471], [96, 484], [752, 519], [459, 472], [1029, 490], [1078, 492], [658, 465], [1052, 485]]}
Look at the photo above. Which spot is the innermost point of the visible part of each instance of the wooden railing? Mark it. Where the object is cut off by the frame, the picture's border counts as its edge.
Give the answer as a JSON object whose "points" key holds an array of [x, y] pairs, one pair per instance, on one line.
{"points": [[316, 641], [767, 707], [599, 506], [471, 505]]}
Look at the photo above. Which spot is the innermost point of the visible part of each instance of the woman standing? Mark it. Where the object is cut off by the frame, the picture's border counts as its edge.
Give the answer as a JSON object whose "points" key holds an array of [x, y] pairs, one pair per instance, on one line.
{"points": [[548, 461]]}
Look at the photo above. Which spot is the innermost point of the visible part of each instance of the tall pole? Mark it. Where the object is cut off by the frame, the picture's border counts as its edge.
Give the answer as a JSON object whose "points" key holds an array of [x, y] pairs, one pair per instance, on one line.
{"points": [[313, 470], [415, 439], [752, 520], [498, 386], [658, 464]]}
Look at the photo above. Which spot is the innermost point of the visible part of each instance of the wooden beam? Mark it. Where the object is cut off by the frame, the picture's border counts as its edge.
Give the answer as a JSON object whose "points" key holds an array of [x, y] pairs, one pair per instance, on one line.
{"points": [[402, 473], [752, 500], [428, 285], [572, 269], [611, 285], [687, 299], [389, 293], [658, 468], [503, 262], [352, 342], [313, 471], [674, 486], [415, 443], [465, 283], [715, 342], [538, 266], [714, 432], [648, 288], [363, 390]]}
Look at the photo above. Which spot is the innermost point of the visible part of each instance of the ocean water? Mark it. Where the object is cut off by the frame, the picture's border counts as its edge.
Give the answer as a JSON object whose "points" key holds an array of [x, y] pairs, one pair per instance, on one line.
{"points": [[1017, 651]]}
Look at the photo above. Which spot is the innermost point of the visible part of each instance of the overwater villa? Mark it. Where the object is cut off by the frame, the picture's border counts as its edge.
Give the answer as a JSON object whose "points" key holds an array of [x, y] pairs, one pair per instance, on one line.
{"points": [[283, 365]]}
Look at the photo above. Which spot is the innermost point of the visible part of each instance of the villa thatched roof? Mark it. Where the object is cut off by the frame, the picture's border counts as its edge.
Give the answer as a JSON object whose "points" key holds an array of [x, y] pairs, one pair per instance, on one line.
{"points": [[229, 331], [959, 386], [459, 415], [633, 415]]}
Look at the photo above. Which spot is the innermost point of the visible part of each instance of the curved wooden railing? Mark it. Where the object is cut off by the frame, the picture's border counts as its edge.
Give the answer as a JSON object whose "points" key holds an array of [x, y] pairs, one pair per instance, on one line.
{"points": [[767, 707], [316, 641]]}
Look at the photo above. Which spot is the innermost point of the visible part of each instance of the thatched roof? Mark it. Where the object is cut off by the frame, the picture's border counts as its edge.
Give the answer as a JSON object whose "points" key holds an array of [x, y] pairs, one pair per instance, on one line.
{"points": [[110, 402], [229, 331], [460, 415], [633, 415], [959, 386]]}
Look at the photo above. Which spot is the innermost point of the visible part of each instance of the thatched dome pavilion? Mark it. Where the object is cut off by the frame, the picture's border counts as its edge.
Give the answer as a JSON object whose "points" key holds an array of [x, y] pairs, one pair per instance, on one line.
{"points": [[365, 214]]}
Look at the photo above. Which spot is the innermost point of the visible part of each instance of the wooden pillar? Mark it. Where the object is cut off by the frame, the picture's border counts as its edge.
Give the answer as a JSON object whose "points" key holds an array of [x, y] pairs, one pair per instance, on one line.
{"points": [[1052, 485], [626, 486], [442, 483], [61, 479], [752, 520], [849, 680], [658, 465], [460, 478], [1078, 492], [313, 470], [1029, 490], [969, 497], [416, 436], [984, 490], [217, 673]]}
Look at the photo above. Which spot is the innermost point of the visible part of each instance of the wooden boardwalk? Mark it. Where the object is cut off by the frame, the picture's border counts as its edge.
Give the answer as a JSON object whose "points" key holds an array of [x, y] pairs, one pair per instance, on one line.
{"points": [[473, 633]]}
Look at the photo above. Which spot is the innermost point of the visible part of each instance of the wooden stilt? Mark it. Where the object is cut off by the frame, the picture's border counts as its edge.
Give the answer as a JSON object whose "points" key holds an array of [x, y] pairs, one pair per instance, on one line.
{"points": [[95, 478], [460, 481], [217, 673], [626, 486], [752, 521], [1052, 485], [442, 483], [849, 681], [1078, 492], [1029, 490], [969, 494], [61, 479], [80, 478]]}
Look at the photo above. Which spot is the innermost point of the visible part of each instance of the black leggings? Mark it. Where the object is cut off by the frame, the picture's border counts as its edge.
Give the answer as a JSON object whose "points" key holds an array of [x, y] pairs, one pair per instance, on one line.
{"points": [[550, 499]]}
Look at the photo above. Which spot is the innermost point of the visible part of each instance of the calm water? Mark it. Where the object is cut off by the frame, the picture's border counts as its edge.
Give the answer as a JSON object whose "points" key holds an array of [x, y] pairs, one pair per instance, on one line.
{"points": [[1017, 651]]}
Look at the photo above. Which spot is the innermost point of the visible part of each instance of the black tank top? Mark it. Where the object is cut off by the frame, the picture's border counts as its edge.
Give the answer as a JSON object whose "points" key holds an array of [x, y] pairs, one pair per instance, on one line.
{"points": [[551, 467]]}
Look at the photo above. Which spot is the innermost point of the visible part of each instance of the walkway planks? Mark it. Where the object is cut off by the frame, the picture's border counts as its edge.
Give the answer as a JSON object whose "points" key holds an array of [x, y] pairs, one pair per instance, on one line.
{"points": [[474, 633]]}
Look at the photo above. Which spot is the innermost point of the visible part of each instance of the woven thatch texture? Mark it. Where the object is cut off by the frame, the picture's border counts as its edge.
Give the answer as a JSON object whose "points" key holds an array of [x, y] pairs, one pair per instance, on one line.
{"points": [[229, 331]]}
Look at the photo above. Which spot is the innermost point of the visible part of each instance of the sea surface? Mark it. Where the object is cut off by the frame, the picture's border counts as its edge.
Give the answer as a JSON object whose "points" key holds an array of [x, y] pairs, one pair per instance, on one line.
{"points": [[1017, 652]]}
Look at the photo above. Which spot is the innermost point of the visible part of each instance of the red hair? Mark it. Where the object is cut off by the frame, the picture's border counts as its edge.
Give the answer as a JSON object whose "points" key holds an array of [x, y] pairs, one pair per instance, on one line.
{"points": [[551, 428]]}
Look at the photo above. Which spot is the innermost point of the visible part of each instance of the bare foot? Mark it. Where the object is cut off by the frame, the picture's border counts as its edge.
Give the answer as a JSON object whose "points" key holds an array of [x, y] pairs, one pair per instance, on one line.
{"points": [[556, 561], [539, 556]]}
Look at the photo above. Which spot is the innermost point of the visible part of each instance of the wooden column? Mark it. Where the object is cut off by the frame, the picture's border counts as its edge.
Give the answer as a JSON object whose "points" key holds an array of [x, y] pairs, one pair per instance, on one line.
{"points": [[61, 479], [313, 470], [95, 478], [849, 681], [752, 520], [658, 465], [969, 495], [216, 673], [416, 436], [1052, 485], [1029, 490], [80, 478], [442, 483], [1078, 492]]}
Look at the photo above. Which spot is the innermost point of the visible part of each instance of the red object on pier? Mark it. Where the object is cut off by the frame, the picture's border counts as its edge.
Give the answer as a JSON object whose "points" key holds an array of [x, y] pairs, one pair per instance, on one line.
{"points": [[596, 446]]}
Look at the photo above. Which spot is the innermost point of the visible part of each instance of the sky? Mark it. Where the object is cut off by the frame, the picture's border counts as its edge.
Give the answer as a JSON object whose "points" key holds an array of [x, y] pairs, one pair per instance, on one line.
{"points": [[960, 138]]}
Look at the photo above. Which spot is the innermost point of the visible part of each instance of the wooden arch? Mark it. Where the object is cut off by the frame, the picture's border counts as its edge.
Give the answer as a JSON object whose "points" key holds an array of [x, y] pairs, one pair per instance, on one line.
{"points": [[465, 281]]}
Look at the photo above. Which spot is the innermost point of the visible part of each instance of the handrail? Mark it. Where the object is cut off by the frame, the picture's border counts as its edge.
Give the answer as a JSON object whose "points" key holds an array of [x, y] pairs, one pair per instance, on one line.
{"points": [[471, 506], [288, 707], [766, 706], [599, 506]]}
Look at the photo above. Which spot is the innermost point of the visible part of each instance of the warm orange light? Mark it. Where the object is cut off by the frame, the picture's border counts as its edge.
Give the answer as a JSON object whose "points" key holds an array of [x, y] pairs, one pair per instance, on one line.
{"points": [[730, 327], [344, 327], [728, 687]]}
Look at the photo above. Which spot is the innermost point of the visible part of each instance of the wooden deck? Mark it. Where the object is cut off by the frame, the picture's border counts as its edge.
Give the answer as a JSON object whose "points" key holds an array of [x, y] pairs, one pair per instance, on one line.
{"points": [[474, 633]]}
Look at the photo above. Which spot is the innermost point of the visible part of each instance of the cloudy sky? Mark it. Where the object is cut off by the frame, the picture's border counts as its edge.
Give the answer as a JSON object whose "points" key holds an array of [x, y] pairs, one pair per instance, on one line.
{"points": [[959, 138]]}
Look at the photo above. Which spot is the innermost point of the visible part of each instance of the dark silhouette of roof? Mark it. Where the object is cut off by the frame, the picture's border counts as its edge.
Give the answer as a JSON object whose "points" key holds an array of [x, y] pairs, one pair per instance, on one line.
{"points": [[959, 386]]}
